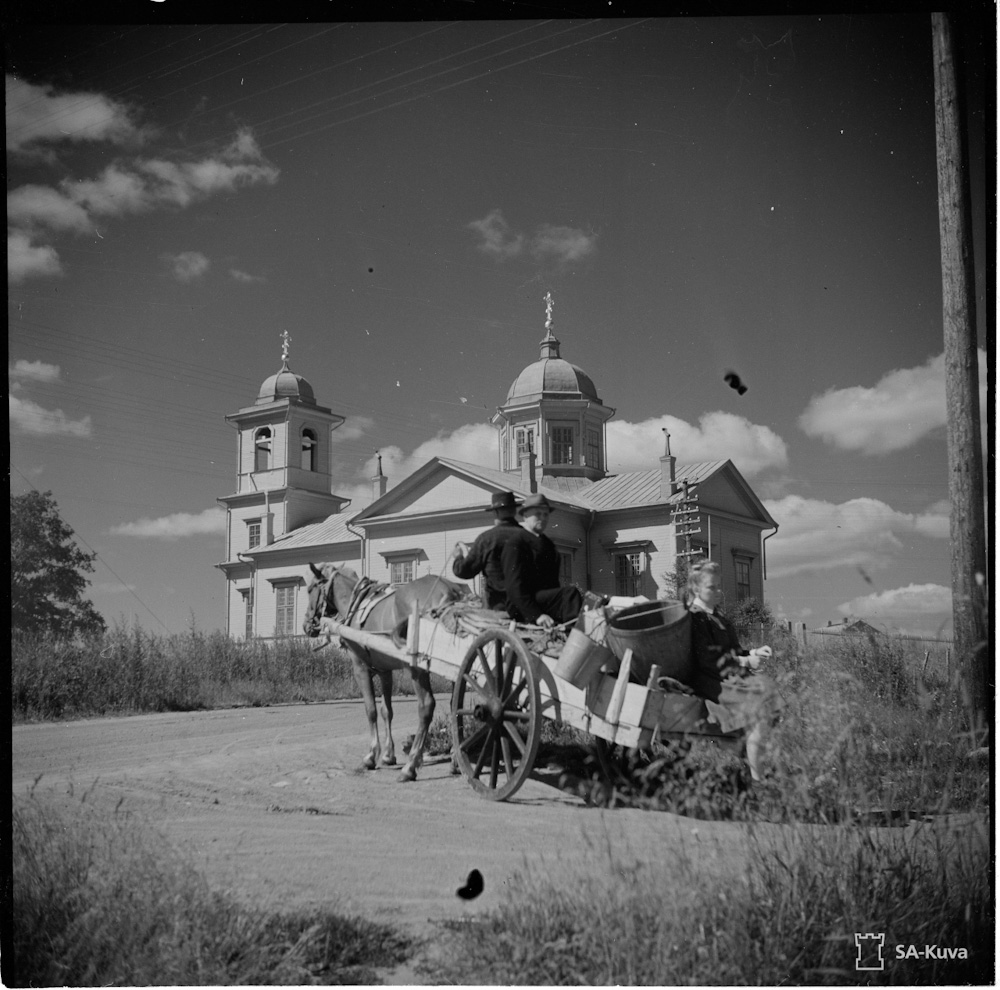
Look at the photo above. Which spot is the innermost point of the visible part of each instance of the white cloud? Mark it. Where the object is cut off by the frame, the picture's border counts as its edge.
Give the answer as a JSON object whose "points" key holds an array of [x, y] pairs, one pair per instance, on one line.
{"points": [[901, 409], [914, 602], [551, 243], [244, 277], [26, 260], [718, 436], [37, 371], [188, 265], [814, 535], [29, 417], [176, 526], [563, 245], [42, 206], [495, 235], [38, 116]]}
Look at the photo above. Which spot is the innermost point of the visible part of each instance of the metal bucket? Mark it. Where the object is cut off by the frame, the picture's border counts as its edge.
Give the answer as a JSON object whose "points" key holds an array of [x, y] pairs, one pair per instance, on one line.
{"points": [[581, 658], [656, 633]]}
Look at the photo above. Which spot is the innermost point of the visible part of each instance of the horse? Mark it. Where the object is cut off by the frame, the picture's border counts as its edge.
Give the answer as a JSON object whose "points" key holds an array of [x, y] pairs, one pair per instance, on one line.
{"points": [[338, 593]]}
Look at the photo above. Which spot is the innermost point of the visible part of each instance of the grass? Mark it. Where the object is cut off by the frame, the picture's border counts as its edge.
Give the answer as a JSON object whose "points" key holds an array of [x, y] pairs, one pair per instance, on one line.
{"points": [[867, 738], [789, 919], [109, 902], [126, 672]]}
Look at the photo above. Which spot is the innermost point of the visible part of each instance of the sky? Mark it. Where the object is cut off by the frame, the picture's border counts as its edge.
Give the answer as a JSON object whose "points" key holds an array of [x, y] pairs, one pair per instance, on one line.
{"points": [[753, 194]]}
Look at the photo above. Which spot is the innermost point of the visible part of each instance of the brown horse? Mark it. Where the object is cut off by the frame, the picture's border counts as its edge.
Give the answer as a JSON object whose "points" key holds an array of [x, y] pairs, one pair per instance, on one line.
{"points": [[338, 593]]}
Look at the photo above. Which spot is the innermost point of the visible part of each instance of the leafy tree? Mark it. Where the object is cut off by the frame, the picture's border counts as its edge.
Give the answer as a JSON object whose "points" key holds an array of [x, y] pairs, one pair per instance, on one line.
{"points": [[749, 612], [46, 571]]}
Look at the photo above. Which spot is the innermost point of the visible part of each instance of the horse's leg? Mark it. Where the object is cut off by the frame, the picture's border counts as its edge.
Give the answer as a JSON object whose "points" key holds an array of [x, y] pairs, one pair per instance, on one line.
{"points": [[364, 679], [389, 754], [425, 713]]}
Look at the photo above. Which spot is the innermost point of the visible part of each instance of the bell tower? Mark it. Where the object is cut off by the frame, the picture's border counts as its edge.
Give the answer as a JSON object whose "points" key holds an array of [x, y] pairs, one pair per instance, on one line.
{"points": [[283, 461]]}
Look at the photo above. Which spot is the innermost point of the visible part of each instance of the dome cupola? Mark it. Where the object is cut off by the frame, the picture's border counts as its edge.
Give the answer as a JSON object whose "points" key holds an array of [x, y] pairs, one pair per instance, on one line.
{"points": [[285, 385]]}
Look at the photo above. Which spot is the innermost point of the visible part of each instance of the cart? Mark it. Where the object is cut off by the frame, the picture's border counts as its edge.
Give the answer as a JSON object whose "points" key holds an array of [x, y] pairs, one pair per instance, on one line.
{"points": [[503, 689]]}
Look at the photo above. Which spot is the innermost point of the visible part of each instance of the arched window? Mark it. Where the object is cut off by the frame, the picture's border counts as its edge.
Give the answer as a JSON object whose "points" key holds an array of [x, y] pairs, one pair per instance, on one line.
{"points": [[308, 450], [262, 449]]}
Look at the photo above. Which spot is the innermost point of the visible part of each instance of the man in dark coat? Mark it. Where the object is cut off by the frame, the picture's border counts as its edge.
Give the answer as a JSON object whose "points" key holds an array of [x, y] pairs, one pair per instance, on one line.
{"points": [[483, 557], [531, 571]]}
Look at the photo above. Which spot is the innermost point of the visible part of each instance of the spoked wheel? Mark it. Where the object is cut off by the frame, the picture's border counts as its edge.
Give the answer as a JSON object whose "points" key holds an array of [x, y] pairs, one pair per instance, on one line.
{"points": [[496, 717]]}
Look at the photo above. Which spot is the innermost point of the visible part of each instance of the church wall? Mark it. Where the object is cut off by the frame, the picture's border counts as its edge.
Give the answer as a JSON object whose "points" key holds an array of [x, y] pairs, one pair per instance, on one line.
{"points": [[439, 494], [619, 532]]}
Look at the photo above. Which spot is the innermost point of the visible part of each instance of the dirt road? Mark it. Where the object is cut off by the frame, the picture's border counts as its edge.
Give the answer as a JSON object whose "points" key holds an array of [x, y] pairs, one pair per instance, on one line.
{"points": [[270, 803]]}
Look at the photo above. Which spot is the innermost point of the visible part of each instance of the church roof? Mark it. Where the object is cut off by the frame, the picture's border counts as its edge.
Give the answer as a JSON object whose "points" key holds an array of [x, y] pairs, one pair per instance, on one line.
{"points": [[332, 529], [553, 374], [285, 384]]}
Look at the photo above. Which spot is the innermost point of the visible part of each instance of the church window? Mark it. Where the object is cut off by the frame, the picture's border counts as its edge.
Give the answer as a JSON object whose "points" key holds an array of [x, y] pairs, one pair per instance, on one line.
{"points": [[248, 612], [565, 568], [593, 449], [524, 440], [562, 445], [262, 449], [284, 620], [308, 450], [742, 578], [628, 574], [401, 571], [253, 534]]}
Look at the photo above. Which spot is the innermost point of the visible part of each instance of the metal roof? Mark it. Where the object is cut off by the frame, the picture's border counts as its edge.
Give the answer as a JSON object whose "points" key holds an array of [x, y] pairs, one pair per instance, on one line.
{"points": [[631, 488], [333, 529]]}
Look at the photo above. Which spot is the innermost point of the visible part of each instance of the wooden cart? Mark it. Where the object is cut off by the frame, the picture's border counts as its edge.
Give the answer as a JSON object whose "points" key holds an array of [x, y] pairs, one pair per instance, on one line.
{"points": [[503, 690]]}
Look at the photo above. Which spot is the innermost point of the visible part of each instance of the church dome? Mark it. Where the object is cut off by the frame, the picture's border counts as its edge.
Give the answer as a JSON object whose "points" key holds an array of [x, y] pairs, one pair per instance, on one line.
{"points": [[285, 385], [552, 374]]}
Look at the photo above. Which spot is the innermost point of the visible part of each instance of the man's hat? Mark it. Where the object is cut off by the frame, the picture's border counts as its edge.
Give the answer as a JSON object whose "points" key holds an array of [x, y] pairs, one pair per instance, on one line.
{"points": [[502, 500], [533, 502]]}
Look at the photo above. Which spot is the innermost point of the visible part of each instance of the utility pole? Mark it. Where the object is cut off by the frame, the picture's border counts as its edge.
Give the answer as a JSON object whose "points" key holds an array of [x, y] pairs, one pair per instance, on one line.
{"points": [[965, 464]]}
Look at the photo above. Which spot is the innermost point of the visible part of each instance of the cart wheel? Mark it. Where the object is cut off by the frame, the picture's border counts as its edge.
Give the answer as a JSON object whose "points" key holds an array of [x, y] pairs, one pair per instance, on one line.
{"points": [[496, 716]]}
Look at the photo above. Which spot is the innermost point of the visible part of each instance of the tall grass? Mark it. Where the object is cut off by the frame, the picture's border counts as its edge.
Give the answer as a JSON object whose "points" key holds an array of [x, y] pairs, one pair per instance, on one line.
{"points": [[128, 671], [789, 919], [100, 901]]}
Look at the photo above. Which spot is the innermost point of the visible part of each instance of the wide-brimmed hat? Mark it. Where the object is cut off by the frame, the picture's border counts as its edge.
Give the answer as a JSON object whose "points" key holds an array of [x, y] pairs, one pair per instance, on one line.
{"points": [[502, 500], [533, 502]]}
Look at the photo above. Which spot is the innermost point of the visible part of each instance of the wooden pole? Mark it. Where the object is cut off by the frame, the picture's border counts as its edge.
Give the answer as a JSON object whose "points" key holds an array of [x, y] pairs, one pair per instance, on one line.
{"points": [[965, 465]]}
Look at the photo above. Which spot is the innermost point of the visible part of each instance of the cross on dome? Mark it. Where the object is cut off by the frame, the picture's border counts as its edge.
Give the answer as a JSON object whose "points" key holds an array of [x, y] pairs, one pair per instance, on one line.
{"points": [[285, 341]]}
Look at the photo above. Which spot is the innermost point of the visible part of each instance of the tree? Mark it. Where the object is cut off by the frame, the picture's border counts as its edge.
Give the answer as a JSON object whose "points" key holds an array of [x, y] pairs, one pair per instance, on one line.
{"points": [[750, 612], [46, 571]]}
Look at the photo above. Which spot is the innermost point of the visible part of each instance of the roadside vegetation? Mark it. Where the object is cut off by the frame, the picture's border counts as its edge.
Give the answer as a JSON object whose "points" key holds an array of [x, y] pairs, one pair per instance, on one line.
{"points": [[889, 798]]}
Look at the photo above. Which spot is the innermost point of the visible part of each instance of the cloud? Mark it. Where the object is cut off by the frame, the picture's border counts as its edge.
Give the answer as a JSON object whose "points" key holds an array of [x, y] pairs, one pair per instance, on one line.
{"points": [[718, 436], [245, 278], [37, 371], [26, 260], [563, 245], [38, 116], [814, 535], [901, 409], [188, 265], [550, 243], [123, 188], [29, 417], [495, 235], [915, 601], [176, 526]]}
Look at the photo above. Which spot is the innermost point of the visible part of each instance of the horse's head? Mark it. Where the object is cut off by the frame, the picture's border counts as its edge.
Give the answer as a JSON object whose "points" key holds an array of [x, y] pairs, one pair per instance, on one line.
{"points": [[328, 594]]}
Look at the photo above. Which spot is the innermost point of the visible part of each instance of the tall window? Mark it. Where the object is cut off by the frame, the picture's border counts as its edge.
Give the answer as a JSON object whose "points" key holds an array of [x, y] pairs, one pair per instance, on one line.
{"points": [[253, 534], [565, 568], [308, 450], [562, 444], [742, 578], [628, 574], [524, 441], [593, 449], [401, 571], [248, 613], [262, 449], [284, 620]]}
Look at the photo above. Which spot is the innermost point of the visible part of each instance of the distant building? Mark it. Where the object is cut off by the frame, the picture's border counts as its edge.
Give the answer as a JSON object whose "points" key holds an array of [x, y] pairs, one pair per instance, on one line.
{"points": [[848, 627], [616, 534]]}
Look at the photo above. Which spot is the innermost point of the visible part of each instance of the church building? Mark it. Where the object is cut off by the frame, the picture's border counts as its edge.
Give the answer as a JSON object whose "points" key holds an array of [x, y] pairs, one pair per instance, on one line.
{"points": [[617, 534]]}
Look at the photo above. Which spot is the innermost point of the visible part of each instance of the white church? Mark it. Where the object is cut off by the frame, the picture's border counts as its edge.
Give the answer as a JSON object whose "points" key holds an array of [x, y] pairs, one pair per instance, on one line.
{"points": [[617, 534]]}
